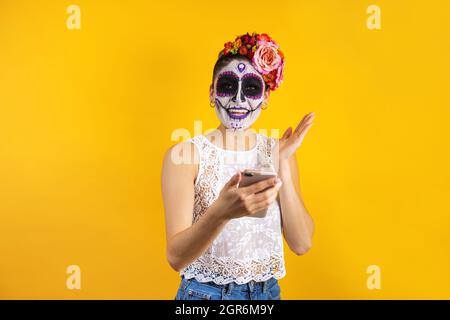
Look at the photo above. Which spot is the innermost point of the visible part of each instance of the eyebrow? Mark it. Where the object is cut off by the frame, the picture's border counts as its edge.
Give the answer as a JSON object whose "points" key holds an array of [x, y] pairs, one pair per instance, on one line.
{"points": [[251, 74], [234, 75], [228, 73]]}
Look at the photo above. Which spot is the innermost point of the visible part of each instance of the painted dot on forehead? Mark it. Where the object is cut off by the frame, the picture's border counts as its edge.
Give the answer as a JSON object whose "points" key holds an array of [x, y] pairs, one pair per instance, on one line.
{"points": [[241, 67]]}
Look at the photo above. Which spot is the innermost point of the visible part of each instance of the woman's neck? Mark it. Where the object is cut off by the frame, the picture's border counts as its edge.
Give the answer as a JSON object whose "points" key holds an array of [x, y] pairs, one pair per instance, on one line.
{"points": [[235, 139]]}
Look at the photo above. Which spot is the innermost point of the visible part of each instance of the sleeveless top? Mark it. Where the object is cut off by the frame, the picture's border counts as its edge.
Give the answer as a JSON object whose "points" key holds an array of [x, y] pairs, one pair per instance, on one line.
{"points": [[247, 248]]}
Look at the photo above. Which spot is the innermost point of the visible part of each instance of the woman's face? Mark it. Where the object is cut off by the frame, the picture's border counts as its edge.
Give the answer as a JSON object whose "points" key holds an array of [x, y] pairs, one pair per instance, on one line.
{"points": [[238, 93]]}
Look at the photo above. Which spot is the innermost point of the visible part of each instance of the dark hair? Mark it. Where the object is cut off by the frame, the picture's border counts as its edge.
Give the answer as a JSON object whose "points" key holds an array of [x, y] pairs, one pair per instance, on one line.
{"points": [[226, 59]]}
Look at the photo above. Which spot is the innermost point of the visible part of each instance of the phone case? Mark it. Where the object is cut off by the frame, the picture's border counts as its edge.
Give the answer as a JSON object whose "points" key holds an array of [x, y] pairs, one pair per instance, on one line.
{"points": [[250, 177]]}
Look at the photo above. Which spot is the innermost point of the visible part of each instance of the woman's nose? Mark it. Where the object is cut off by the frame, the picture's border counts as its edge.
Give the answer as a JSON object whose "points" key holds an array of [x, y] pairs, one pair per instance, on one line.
{"points": [[239, 97]]}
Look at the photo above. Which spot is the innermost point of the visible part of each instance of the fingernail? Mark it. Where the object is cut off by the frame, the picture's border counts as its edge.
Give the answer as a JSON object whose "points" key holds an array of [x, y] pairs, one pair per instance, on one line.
{"points": [[277, 180]]}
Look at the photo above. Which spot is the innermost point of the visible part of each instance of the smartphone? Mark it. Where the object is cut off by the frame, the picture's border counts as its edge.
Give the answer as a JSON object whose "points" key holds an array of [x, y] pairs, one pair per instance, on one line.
{"points": [[251, 176]]}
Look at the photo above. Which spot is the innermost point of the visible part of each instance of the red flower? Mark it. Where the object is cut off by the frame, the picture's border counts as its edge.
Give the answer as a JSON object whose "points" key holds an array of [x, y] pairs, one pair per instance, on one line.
{"points": [[263, 36], [250, 54], [228, 46], [252, 40], [270, 79], [245, 38], [243, 50]]}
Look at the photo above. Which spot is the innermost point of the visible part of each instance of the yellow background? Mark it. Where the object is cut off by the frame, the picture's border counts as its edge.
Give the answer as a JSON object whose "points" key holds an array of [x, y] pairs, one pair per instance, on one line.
{"points": [[86, 115]]}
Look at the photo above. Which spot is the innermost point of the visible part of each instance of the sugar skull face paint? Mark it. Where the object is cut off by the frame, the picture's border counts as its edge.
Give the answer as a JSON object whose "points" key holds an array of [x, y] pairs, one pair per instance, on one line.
{"points": [[238, 94]]}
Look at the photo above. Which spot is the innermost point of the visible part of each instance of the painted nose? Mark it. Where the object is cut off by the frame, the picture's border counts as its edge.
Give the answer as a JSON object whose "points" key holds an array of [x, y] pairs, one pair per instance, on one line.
{"points": [[239, 97]]}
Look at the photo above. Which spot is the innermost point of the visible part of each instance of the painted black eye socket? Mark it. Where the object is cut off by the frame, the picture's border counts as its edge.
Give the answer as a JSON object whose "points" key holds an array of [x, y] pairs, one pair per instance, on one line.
{"points": [[252, 86], [227, 85]]}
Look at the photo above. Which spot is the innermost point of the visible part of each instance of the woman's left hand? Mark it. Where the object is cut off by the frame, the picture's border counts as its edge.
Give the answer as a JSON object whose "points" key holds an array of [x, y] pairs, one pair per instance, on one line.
{"points": [[291, 141]]}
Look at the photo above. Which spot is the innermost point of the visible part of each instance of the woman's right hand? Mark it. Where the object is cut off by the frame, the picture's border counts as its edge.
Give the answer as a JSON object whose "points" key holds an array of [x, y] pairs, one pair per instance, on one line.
{"points": [[234, 202]]}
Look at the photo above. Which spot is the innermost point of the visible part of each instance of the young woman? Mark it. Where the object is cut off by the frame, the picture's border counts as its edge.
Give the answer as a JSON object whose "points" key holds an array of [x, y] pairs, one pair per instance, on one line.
{"points": [[215, 239]]}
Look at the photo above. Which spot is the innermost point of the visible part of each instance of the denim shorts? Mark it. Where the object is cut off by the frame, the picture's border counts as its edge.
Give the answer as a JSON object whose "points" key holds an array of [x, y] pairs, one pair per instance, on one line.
{"points": [[191, 289]]}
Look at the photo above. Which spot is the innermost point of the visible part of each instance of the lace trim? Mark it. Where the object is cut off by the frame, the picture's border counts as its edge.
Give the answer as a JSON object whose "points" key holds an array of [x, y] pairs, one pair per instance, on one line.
{"points": [[225, 270]]}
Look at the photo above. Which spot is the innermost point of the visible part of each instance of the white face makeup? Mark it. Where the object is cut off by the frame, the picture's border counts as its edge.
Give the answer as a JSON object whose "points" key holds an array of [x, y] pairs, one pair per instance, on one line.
{"points": [[238, 94]]}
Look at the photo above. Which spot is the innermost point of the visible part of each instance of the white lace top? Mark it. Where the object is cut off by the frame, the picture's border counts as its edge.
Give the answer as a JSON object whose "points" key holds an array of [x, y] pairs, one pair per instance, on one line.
{"points": [[247, 248]]}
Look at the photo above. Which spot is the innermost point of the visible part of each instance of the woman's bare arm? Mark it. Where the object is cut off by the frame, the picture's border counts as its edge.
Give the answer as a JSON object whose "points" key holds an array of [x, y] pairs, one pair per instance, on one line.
{"points": [[185, 242], [298, 226]]}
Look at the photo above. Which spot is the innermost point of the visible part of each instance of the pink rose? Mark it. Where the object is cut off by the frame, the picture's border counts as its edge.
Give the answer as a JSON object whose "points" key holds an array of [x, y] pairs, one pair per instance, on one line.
{"points": [[280, 74], [266, 57]]}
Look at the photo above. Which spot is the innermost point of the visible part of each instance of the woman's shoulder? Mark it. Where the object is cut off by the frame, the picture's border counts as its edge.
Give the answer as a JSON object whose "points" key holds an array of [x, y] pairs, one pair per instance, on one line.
{"points": [[183, 153]]}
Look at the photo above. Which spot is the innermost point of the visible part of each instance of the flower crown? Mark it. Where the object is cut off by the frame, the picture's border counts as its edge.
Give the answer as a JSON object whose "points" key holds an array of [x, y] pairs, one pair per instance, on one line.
{"points": [[263, 52]]}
